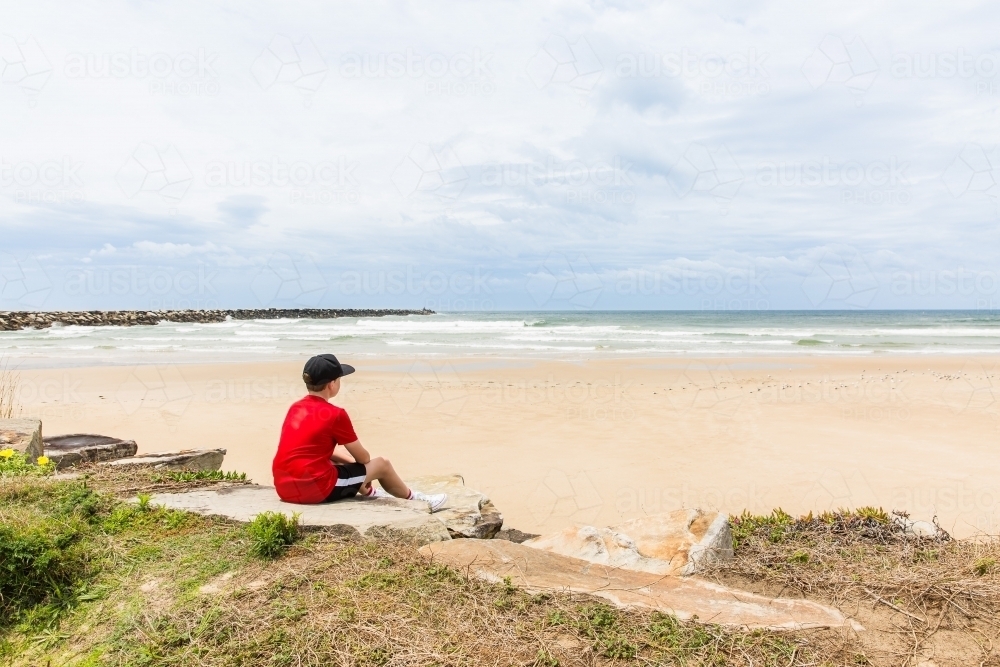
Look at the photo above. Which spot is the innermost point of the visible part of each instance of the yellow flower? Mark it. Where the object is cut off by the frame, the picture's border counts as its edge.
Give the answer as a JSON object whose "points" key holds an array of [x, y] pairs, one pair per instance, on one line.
{"points": [[43, 460], [6, 453]]}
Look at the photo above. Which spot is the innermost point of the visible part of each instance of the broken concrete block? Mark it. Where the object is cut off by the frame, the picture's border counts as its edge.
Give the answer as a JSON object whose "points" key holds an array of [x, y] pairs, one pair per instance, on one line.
{"points": [[71, 450], [468, 513], [186, 459]]}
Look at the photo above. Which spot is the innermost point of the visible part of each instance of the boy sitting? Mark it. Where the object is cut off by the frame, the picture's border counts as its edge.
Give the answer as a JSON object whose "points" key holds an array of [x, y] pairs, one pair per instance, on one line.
{"points": [[308, 468]]}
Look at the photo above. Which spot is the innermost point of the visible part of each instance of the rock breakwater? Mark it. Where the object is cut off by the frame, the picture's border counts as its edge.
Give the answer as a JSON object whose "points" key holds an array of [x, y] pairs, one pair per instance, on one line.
{"points": [[17, 320]]}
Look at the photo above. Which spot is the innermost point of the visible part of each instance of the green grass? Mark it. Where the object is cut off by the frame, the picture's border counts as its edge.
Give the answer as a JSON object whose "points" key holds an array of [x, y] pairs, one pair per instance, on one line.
{"points": [[984, 566], [201, 475], [777, 525], [271, 533], [16, 464]]}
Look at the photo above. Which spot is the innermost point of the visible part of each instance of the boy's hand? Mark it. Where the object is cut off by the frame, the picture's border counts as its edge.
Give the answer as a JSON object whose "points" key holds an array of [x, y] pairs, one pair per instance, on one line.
{"points": [[365, 489]]}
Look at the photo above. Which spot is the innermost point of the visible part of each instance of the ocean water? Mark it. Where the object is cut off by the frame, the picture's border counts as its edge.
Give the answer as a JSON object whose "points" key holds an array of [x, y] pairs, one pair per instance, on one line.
{"points": [[512, 334]]}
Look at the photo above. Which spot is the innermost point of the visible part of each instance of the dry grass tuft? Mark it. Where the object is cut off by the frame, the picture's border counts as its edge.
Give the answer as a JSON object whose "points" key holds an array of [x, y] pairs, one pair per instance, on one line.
{"points": [[924, 590], [126, 482], [9, 384]]}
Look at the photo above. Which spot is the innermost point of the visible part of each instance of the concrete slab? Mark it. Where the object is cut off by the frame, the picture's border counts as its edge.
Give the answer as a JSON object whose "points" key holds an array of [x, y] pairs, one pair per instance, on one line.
{"points": [[684, 597], [404, 519]]}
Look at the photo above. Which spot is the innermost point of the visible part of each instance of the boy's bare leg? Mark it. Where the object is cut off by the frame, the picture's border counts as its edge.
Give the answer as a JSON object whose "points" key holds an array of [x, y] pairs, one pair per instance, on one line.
{"points": [[381, 469]]}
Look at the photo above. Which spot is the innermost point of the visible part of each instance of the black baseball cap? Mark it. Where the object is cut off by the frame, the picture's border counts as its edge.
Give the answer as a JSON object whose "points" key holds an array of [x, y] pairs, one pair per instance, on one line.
{"points": [[323, 369]]}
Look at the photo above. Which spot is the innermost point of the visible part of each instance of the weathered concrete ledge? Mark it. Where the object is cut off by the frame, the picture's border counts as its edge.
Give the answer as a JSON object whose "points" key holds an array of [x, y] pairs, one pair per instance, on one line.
{"points": [[16, 320], [467, 513], [393, 518], [192, 460]]}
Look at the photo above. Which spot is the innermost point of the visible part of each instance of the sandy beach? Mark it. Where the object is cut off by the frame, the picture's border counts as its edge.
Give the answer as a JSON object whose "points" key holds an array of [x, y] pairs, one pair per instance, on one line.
{"points": [[596, 441]]}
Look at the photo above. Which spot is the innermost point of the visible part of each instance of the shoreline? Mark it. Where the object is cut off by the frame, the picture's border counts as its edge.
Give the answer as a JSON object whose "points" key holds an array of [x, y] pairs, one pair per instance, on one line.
{"points": [[561, 441], [738, 359]]}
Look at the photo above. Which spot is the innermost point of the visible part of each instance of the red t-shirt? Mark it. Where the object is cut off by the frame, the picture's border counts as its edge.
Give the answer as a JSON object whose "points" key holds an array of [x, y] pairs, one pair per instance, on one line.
{"points": [[303, 471]]}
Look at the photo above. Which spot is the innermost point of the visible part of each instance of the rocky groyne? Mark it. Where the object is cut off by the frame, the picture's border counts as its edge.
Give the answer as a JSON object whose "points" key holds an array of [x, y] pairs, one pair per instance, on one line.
{"points": [[16, 320]]}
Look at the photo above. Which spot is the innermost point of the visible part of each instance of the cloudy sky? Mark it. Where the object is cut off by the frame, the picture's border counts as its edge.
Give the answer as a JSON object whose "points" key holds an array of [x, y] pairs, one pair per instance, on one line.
{"points": [[514, 155]]}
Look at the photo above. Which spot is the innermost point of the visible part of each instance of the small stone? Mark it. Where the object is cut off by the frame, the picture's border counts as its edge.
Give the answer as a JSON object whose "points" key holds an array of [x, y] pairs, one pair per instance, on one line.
{"points": [[922, 529], [913, 528]]}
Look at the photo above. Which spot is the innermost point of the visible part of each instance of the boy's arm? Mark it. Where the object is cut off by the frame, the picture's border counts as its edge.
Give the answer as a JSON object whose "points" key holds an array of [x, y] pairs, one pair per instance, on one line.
{"points": [[342, 456], [358, 451]]}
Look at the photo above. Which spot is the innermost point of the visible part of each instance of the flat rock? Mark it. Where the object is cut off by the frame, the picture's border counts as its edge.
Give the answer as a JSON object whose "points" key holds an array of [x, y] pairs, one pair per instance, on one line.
{"points": [[681, 542], [22, 435], [184, 459], [71, 450], [392, 518], [537, 570], [468, 513]]}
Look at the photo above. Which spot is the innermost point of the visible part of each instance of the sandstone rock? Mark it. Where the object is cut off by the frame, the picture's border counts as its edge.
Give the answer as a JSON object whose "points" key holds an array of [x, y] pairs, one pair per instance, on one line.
{"points": [[387, 518], [22, 435], [71, 450], [673, 543], [537, 570], [468, 513], [184, 459]]}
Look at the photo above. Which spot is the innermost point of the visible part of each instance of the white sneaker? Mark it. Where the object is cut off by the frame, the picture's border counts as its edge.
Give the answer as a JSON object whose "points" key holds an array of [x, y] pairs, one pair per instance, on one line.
{"points": [[378, 492], [435, 501]]}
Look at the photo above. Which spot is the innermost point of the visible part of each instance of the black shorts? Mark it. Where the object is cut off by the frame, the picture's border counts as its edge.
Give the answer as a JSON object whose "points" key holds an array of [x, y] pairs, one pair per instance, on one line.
{"points": [[350, 477]]}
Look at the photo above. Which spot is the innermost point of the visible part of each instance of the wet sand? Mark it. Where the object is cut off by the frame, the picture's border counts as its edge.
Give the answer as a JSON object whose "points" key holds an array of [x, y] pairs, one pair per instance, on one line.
{"points": [[596, 441]]}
